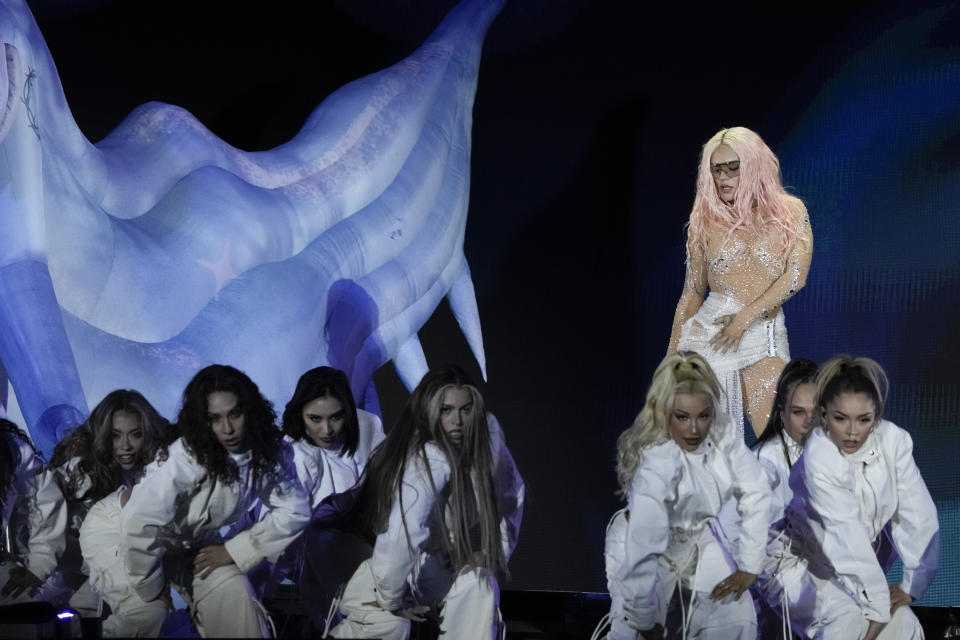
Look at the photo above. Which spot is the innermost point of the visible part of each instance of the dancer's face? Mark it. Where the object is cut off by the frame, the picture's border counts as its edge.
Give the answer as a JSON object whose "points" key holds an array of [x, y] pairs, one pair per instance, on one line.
{"points": [[127, 435], [456, 412], [799, 412], [690, 419], [323, 420], [725, 168], [226, 420], [849, 419]]}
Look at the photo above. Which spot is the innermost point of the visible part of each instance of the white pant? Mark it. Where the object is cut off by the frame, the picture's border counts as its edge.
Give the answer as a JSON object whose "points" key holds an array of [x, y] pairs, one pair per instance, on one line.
{"points": [[468, 606], [225, 605], [727, 619], [135, 618], [821, 610]]}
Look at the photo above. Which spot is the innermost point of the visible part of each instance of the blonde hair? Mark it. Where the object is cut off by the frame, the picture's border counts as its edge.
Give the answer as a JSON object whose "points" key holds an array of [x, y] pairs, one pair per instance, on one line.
{"points": [[681, 372], [761, 201], [846, 374]]}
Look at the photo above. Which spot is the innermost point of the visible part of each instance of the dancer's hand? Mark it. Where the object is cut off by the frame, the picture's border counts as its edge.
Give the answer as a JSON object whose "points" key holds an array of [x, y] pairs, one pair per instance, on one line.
{"points": [[656, 633], [21, 581], [412, 613], [731, 332], [873, 631], [210, 558], [898, 598], [736, 583]]}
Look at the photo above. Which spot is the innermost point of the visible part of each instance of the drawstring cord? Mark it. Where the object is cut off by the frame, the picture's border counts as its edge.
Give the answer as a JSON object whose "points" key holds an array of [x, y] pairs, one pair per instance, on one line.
{"points": [[334, 607], [603, 625], [786, 627]]}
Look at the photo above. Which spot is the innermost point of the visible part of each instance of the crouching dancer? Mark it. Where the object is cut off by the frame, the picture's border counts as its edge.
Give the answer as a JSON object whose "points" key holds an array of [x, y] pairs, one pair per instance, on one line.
{"points": [[855, 484], [33, 519], [442, 478], [229, 454], [678, 464]]}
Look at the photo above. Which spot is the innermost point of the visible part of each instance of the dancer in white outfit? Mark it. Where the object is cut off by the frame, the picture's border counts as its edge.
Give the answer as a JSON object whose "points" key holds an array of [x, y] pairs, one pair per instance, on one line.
{"points": [[33, 517], [856, 476], [792, 419], [331, 441], [442, 478], [677, 465], [230, 454], [750, 242], [104, 455]]}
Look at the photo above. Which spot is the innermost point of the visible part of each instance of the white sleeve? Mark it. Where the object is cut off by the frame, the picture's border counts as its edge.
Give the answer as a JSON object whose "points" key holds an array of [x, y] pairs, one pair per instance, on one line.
{"points": [[846, 542], [152, 505], [309, 472], [371, 435], [654, 486], [915, 528], [287, 508], [47, 513], [509, 486], [754, 493], [614, 547], [771, 458], [396, 550]]}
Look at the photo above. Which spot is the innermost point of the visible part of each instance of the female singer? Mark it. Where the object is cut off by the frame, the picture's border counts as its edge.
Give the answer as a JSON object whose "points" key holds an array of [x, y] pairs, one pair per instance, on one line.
{"points": [[750, 242]]}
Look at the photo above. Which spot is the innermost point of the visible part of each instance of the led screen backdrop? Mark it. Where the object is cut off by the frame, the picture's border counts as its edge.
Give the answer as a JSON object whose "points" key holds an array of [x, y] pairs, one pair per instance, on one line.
{"points": [[587, 124]]}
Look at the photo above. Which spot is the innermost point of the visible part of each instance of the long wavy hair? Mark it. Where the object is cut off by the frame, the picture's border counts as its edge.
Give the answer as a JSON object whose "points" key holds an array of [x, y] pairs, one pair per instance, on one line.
{"points": [[471, 470], [323, 382], [680, 372], [845, 374], [798, 371], [92, 444], [761, 202], [10, 456], [260, 432]]}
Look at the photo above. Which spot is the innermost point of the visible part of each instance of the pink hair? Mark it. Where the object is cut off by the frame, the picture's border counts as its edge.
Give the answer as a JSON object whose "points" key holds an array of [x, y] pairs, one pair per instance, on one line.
{"points": [[761, 200]]}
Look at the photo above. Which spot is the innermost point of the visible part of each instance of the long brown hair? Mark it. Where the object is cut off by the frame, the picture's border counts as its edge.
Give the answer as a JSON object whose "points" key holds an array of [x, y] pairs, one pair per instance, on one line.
{"points": [[471, 466]]}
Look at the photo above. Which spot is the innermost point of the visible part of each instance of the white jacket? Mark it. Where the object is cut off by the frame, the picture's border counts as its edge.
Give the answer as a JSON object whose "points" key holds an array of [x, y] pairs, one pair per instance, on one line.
{"points": [[777, 456], [841, 505], [394, 559], [180, 507], [34, 512], [674, 500], [323, 472]]}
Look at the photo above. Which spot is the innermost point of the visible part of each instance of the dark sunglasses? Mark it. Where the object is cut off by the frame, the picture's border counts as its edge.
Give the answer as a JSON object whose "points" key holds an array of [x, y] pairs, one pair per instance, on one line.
{"points": [[731, 169]]}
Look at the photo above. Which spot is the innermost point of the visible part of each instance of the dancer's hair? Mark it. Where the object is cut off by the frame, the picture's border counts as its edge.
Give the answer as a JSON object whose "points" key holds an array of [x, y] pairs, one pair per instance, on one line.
{"points": [[92, 444], [260, 432], [845, 374], [472, 463], [761, 201], [10, 457], [681, 372], [319, 383], [798, 371]]}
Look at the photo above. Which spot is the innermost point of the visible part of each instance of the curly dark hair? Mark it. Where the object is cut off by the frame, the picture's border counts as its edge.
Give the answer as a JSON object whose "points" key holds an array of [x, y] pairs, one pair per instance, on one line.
{"points": [[260, 432], [319, 383], [92, 443], [10, 455]]}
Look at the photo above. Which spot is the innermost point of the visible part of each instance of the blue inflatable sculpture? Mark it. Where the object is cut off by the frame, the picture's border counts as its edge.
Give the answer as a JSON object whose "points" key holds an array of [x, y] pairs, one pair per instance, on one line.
{"points": [[135, 261]]}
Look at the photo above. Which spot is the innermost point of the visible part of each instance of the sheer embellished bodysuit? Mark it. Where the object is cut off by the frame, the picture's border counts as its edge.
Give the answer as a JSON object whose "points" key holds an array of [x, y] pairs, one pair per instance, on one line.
{"points": [[749, 276]]}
